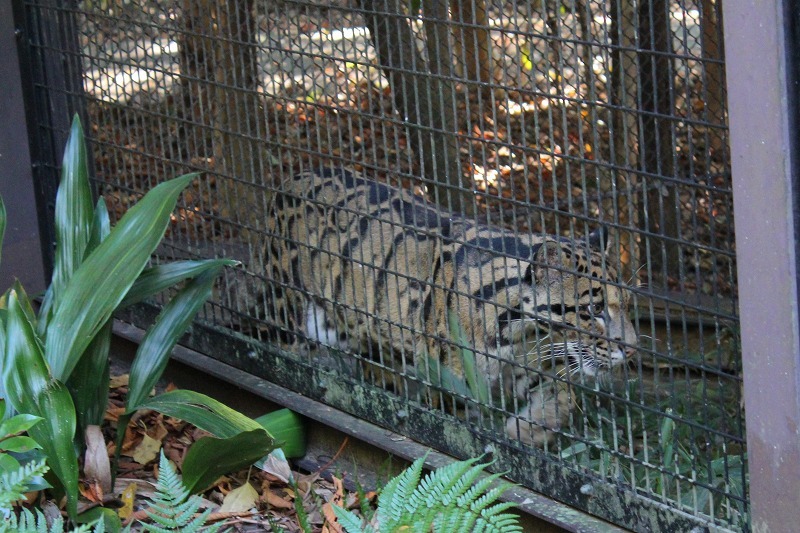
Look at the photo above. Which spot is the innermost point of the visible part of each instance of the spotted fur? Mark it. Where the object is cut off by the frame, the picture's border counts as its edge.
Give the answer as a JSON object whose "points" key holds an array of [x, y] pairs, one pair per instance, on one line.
{"points": [[375, 270]]}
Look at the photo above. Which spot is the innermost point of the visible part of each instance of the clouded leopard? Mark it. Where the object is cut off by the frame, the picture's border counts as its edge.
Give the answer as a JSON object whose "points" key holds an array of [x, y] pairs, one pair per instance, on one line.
{"points": [[368, 268]]}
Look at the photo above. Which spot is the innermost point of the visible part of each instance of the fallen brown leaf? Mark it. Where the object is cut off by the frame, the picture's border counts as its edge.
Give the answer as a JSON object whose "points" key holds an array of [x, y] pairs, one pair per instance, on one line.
{"points": [[96, 465], [275, 501]]}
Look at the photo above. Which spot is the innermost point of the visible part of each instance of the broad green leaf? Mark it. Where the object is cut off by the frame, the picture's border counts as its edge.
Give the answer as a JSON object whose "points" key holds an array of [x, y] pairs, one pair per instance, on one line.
{"points": [[101, 227], [101, 282], [109, 518], [17, 424], [156, 347], [73, 217], [24, 302], [8, 463], [56, 435], [209, 458], [88, 383], [202, 411], [25, 374], [19, 444], [155, 279], [288, 429], [32, 390]]}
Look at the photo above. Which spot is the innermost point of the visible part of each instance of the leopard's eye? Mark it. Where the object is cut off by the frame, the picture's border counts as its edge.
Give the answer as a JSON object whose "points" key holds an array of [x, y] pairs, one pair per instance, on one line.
{"points": [[595, 309]]}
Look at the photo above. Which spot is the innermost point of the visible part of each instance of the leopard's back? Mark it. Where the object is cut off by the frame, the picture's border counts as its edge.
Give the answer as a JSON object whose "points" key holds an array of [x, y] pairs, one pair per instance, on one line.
{"points": [[378, 271]]}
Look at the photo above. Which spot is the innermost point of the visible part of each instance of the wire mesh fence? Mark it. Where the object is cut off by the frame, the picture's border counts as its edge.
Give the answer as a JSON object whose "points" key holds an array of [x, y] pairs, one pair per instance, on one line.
{"points": [[502, 224]]}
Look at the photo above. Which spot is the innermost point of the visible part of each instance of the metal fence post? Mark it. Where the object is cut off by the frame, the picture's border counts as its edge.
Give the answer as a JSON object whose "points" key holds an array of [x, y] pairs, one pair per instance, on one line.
{"points": [[22, 253], [759, 41]]}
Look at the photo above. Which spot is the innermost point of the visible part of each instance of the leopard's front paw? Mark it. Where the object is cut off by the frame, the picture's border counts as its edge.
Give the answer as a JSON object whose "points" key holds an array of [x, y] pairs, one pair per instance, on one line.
{"points": [[545, 413]]}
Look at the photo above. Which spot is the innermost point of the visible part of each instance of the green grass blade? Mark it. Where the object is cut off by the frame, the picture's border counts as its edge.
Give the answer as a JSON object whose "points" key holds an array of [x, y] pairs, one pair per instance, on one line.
{"points": [[476, 381], [160, 277], [32, 390], [6, 410], [101, 282], [202, 411], [154, 351], [209, 458], [667, 429], [73, 216]]}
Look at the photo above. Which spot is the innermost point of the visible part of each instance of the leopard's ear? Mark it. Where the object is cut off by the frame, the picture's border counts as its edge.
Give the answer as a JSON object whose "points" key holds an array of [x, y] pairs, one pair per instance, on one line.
{"points": [[607, 243], [599, 241], [551, 259]]}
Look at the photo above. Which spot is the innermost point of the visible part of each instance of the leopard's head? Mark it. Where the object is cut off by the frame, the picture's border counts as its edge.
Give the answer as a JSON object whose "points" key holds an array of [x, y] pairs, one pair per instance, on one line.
{"points": [[573, 295]]}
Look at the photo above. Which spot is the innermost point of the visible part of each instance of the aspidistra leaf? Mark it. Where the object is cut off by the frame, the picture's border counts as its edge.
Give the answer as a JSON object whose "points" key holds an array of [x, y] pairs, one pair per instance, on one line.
{"points": [[202, 411], [157, 278], [25, 374], [209, 458], [73, 213], [154, 351], [101, 226], [31, 389], [88, 383], [103, 279]]}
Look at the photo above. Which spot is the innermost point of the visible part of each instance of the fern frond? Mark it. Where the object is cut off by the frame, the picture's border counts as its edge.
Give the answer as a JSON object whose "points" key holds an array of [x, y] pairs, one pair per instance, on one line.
{"points": [[350, 522], [172, 508], [32, 522], [475, 491], [431, 496], [446, 500], [393, 501], [496, 510], [488, 498], [463, 482], [14, 483], [508, 525]]}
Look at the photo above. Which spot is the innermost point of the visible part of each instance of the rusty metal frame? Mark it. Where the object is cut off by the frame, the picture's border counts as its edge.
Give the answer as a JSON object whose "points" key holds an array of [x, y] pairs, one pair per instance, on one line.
{"points": [[762, 45]]}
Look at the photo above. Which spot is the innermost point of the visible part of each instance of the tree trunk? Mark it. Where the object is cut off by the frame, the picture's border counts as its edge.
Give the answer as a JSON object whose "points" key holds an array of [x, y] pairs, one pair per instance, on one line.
{"points": [[238, 119], [197, 74], [443, 107], [424, 102], [656, 150], [713, 50], [618, 188], [471, 40]]}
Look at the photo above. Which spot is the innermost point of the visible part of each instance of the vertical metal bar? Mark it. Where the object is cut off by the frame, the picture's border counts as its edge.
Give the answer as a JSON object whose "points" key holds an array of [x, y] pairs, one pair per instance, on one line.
{"points": [[764, 148], [22, 257]]}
